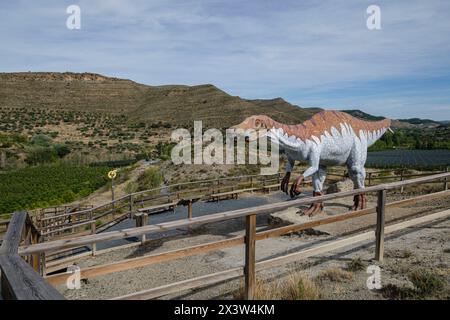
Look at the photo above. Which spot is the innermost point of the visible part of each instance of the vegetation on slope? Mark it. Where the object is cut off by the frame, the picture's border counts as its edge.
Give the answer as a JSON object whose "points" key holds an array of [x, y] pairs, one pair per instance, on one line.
{"points": [[43, 186], [175, 104]]}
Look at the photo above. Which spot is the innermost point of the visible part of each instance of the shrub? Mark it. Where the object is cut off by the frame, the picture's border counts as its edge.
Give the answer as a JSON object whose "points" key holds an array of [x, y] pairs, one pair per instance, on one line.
{"points": [[355, 265], [68, 196], [61, 149], [150, 178], [41, 140], [39, 155], [426, 282]]}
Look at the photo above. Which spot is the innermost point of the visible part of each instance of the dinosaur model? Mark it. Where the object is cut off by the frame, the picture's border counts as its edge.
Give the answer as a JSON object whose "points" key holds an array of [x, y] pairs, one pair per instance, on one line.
{"points": [[329, 138]]}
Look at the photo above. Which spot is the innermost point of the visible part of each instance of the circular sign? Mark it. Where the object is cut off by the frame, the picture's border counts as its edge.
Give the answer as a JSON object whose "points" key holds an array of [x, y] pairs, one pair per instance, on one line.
{"points": [[112, 174]]}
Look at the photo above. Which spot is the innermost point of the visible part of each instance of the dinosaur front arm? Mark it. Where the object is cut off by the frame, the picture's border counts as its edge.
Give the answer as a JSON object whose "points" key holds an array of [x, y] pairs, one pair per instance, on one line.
{"points": [[290, 163], [314, 160], [289, 166], [313, 168]]}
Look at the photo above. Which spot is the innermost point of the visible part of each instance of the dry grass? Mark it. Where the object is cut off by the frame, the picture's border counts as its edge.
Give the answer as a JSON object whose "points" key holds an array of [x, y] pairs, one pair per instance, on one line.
{"points": [[428, 284], [335, 275], [296, 286]]}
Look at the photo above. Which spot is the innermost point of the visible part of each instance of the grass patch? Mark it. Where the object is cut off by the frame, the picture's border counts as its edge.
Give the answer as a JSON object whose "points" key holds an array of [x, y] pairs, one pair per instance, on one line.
{"points": [[356, 265], [335, 275], [296, 286], [426, 284], [400, 254], [404, 254]]}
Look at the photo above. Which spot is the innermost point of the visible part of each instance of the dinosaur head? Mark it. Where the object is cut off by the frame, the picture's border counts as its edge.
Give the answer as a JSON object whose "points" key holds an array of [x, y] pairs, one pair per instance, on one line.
{"points": [[255, 123]]}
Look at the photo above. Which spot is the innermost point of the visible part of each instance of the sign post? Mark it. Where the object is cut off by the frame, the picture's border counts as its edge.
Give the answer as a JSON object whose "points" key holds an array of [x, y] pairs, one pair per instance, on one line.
{"points": [[112, 175]]}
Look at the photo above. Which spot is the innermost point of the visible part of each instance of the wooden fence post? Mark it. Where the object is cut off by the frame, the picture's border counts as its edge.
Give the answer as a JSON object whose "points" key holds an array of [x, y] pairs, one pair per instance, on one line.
{"points": [[249, 269], [381, 206], [144, 223], [43, 262], [93, 230], [370, 179], [35, 257], [131, 206], [446, 180], [190, 209], [141, 220], [401, 179]]}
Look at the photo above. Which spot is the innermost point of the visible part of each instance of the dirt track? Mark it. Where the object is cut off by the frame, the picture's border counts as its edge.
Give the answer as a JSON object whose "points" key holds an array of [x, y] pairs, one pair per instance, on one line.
{"points": [[426, 247]]}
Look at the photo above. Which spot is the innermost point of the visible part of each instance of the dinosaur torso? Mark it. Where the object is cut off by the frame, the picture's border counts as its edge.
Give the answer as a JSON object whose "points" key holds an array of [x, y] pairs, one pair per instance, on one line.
{"points": [[335, 135]]}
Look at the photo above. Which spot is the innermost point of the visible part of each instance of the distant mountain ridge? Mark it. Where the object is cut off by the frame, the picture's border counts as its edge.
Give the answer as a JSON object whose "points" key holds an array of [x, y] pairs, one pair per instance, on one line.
{"points": [[396, 123], [179, 105]]}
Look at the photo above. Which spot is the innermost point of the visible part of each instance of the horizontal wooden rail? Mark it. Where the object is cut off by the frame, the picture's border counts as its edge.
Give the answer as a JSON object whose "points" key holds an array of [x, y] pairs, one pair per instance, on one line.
{"points": [[235, 273], [264, 209], [67, 227]]}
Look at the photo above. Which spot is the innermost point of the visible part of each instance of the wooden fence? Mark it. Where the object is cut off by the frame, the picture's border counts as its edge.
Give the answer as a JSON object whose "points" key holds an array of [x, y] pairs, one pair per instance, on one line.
{"points": [[20, 279], [249, 239], [99, 218]]}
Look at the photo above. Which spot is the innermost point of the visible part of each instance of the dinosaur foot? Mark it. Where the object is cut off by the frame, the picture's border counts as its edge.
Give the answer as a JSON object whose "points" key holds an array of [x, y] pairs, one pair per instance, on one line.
{"points": [[314, 209], [359, 202]]}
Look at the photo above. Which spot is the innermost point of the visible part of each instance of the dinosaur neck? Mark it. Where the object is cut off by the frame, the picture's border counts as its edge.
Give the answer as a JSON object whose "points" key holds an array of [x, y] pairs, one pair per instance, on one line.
{"points": [[296, 130]]}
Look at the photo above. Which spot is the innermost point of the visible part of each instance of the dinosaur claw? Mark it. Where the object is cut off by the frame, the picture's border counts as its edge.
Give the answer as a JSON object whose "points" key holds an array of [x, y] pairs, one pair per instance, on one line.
{"points": [[315, 208], [296, 187], [285, 182]]}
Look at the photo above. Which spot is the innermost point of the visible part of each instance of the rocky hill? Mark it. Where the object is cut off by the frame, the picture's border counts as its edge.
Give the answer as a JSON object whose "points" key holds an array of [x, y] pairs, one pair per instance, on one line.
{"points": [[175, 104]]}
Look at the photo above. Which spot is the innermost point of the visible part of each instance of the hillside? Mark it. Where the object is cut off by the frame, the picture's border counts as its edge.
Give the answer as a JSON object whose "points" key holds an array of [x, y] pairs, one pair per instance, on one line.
{"points": [[399, 123], [176, 104], [363, 115]]}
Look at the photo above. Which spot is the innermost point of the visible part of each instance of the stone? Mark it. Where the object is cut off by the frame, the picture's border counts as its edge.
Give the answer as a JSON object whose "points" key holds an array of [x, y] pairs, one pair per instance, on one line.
{"points": [[341, 186]]}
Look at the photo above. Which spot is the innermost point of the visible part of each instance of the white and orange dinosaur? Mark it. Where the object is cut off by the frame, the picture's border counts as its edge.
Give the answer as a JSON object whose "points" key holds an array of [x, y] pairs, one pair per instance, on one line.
{"points": [[329, 138]]}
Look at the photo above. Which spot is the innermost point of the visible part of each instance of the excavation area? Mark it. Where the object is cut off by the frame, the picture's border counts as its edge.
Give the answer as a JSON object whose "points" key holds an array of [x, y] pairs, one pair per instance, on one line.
{"points": [[416, 258]]}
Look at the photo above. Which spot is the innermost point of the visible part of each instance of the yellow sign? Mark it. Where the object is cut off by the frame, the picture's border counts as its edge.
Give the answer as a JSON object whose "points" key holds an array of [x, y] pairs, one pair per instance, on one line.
{"points": [[112, 174]]}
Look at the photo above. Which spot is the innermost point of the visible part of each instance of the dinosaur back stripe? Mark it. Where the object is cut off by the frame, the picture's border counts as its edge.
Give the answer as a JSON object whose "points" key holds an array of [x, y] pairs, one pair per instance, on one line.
{"points": [[325, 120]]}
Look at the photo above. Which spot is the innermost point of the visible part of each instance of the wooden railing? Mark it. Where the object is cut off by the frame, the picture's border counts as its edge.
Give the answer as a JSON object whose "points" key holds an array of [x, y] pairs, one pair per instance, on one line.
{"points": [[103, 216], [249, 239], [19, 280]]}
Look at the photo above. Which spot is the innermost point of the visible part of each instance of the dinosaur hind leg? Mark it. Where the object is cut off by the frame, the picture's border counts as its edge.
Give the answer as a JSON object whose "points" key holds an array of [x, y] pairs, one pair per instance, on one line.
{"points": [[318, 180], [358, 176]]}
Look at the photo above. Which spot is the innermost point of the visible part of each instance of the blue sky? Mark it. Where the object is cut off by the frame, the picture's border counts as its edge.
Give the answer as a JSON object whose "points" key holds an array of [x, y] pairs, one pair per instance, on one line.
{"points": [[311, 53]]}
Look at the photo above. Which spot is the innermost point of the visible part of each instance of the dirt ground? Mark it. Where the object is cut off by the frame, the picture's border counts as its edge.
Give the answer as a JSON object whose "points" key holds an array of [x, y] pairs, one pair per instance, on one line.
{"points": [[425, 247]]}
